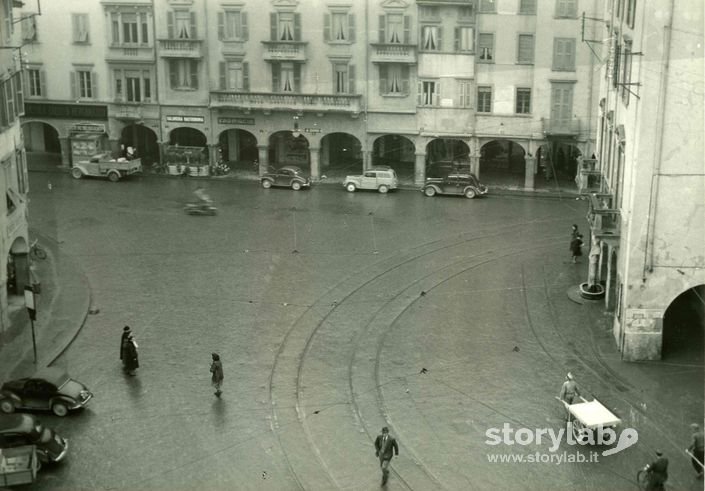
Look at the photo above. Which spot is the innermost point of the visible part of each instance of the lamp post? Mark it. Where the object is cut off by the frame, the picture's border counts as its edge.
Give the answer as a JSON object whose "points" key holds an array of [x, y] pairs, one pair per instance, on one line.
{"points": [[32, 311], [295, 132]]}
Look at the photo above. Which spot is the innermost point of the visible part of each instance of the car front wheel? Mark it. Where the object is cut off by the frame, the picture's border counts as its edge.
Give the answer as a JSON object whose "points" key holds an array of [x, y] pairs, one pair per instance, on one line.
{"points": [[114, 177], [470, 193], [7, 406], [266, 184], [350, 187], [429, 191], [76, 173], [59, 408], [383, 189], [296, 185]]}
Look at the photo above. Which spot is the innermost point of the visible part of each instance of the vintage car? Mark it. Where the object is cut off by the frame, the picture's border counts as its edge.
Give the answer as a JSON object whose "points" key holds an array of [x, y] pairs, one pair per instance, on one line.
{"points": [[103, 165], [49, 389], [288, 176], [17, 430], [462, 184], [381, 178]]}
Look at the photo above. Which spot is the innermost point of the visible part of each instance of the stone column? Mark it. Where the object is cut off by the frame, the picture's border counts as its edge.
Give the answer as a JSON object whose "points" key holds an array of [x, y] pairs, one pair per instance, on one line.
{"points": [[529, 171], [366, 159], [420, 168], [475, 165], [263, 151], [315, 153], [65, 152], [212, 153]]}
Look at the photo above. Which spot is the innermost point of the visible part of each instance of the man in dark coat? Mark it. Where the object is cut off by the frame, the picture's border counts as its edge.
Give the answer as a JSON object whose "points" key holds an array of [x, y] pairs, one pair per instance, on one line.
{"points": [[657, 473], [131, 360], [576, 245], [217, 371], [123, 342], [385, 447], [697, 448]]}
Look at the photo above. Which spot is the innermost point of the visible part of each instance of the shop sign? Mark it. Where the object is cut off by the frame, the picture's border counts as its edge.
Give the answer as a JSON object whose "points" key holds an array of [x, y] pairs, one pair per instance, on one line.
{"points": [[65, 111], [87, 128], [312, 130], [249, 121], [185, 119]]}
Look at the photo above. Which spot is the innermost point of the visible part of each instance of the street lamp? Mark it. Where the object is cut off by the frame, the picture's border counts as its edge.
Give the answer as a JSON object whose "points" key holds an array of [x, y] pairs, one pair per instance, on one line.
{"points": [[295, 132]]}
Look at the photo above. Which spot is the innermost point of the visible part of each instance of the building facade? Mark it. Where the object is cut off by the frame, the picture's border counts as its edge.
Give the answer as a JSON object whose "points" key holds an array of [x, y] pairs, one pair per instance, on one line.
{"points": [[505, 86], [647, 185], [14, 263]]}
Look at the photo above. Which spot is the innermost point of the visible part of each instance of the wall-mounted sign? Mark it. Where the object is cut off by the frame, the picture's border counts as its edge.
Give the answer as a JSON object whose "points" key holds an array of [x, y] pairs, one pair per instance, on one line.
{"points": [[312, 130], [250, 121], [87, 128], [185, 119], [65, 111]]}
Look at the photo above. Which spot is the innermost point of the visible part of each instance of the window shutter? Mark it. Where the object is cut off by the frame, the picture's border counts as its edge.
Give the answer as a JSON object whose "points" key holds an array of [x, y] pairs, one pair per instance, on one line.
{"points": [[221, 67], [193, 33], [94, 85], [19, 94], [25, 80], [351, 79], [297, 77], [245, 32], [221, 25], [173, 74], [419, 93], [145, 30], [383, 79], [74, 26], [276, 84], [272, 26], [439, 45], [326, 27], [74, 91], [170, 25], [245, 76], [407, 29], [382, 25], [456, 41], [193, 65], [297, 27], [42, 83], [556, 54], [405, 83], [570, 55], [351, 28]]}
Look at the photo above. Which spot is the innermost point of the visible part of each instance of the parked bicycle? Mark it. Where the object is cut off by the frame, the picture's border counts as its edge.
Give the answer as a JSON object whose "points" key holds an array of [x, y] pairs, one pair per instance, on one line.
{"points": [[36, 251]]}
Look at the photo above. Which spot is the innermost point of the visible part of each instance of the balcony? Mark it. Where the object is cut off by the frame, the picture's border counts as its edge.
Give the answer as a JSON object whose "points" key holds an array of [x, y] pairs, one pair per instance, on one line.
{"points": [[286, 102], [130, 54], [560, 127], [180, 48], [589, 178], [604, 220], [134, 111], [285, 50], [393, 53]]}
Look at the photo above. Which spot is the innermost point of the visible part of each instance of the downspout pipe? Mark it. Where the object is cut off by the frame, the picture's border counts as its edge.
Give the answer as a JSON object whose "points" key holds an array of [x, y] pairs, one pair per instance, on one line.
{"points": [[658, 151]]}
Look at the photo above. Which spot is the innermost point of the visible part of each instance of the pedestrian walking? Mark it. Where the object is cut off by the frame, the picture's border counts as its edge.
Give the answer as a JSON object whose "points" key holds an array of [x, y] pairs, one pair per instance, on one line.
{"points": [[657, 473], [217, 373], [574, 232], [569, 391], [123, 343], [131, 359], [696, 448], [576, 245], [385, 448]]}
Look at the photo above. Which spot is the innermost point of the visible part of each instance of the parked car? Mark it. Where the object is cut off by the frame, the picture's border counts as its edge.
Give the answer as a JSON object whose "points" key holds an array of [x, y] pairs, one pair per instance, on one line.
{"points": [[288, 176], [442, 168], [17, 430], [382, 178], [462, 184], [103, 165], [50, 388]]}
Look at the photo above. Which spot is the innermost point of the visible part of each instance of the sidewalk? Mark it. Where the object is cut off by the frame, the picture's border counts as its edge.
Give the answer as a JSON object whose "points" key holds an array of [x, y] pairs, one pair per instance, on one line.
{"points": [[62, 308]]}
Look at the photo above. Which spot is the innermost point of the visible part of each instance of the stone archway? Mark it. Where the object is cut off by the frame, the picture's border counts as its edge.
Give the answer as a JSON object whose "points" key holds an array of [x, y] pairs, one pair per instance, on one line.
{"points": [[341, 154], [502, 163], [187, 137], [446, 155], [41, 137], [557, 164], [684, 328], [396, 151], [287, 149], [144, 140], [238, 149]]}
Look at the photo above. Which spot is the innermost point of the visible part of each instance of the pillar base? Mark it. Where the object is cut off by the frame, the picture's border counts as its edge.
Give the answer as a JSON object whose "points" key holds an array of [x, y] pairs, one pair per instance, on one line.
{"points": [[594, 292]]}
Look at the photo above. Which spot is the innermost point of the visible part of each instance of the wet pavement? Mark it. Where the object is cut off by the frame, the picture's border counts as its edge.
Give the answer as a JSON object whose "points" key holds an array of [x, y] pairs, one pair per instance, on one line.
{"points": [[336, 314]]}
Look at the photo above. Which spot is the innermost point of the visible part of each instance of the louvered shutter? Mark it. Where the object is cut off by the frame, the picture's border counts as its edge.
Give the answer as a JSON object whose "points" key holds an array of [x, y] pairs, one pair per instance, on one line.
{"points": [[383, 79], [351, 27], [456, 40], [221, 67], [272, 26], [74, 88], [326, 27], [439, 45], [407, 29], [193, 65], [297, 77], [194, 32], [94, 85], [297, 27], [173, 74], [276, 77], [382, 25], [221, 25], [42, 83], [405, 82], [419, 94], [246, 77], [170, 25], [351, 79]]}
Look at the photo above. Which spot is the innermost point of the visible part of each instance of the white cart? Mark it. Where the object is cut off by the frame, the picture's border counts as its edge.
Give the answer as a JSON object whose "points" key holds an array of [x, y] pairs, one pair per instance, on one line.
{"points": [[589, 418]]}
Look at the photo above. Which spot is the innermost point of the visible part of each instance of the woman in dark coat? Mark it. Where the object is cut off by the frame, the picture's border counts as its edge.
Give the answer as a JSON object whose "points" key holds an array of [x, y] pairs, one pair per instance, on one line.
{"points": [[217, 371], [576, 247], [131, 360], [123, 343]]}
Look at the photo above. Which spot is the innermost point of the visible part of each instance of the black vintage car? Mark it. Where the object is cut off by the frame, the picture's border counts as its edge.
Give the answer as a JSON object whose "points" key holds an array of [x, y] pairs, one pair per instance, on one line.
{"points": [[462, 184], [288, 176], [49, 389], [17, 430]]}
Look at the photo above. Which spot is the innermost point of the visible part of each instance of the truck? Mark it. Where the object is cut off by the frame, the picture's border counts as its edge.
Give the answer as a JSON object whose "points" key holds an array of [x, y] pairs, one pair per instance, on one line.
{"points": [[104, 165]]}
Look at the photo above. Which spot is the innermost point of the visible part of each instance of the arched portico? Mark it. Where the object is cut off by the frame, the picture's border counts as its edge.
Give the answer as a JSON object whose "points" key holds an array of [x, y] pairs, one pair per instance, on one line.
{"points": [[684, 328], [396, 151], [341, 154], [502, 163], [285, 148], [143, 140], [557, 164], [238, 149]]}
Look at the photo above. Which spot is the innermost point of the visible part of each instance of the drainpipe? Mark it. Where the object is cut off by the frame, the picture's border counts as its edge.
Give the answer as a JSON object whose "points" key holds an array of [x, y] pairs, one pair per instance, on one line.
{"points": [[366, 151], [658, 151]]}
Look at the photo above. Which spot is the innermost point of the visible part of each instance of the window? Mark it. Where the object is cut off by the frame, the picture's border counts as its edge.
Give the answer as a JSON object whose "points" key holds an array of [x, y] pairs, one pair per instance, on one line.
{"points": [[631, 12], [29, 27], [9, 105], [564, 54], [525, 52], [286, 77], [181, 24], [394, 29], [8, 28], [465, 93], [566, 8], [133, 85], [428, 12], [527, 7], [232, 26], [465, 14], [83, 83], [286, 26], [339, 27], [626, 72], [343, 78], [393, 79], [183, 74], [129, 28], [235, 75], [464, 39], [485, 47], [523, 101], [35, 83], [616, 63], [484, 99], [80, 28], [21, 166], [487, 6], [428, 93], [431, 38]]}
